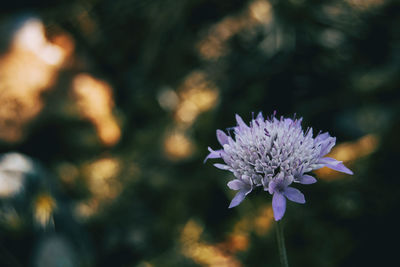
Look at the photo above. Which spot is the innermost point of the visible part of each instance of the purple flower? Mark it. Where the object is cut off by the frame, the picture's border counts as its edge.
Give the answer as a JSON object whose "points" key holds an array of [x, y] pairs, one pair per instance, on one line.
{"points": [[274, 154]]}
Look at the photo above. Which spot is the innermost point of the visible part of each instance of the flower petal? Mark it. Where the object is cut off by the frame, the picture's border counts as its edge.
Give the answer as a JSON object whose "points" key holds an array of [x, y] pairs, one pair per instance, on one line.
{"points": [[278, 184], [225, 157], [214, 154], [260, 116], [322, 137], [236, 184], [294, 195], [307, 179], [278, 206], [327, 145], [309, 132], [222, 166], [272, 185], [237, 199], [335, 165], [222, 137], [240, 122]]}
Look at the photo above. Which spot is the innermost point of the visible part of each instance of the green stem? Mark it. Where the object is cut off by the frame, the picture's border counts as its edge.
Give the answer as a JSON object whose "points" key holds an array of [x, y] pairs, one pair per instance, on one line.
{"points": [[281, 244]]}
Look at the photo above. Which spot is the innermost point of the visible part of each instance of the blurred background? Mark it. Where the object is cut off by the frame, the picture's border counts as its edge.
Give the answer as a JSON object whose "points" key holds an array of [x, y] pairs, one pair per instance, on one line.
{"points": [[107, 108]]}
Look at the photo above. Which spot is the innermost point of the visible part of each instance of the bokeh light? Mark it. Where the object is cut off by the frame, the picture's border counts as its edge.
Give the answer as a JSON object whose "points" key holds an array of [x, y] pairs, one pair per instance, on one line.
{"points": [[95, 101], [44, 206], [348, 153], [28, 69]]}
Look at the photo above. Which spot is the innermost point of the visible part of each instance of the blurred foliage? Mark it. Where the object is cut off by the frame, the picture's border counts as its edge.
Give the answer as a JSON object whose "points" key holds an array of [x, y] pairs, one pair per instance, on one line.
{"points": [[110, 106]]}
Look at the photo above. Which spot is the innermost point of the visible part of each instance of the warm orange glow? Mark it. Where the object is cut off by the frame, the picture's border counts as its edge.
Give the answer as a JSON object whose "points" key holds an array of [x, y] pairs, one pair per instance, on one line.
{"points": [[222, 254], [95, 102], [26, 70], [214, 45], [261, 11], [65, 42], [178, 146], [263, 220], [211, 48], [203, 99], [260, 222], [191, 232], [348, 152], [44, 206], [354, 150], [31, 37], [235, 242], [197, 94], [187, 112], [86, 209], [200, 252], [102, 177], [243, 226], [208, 255]]}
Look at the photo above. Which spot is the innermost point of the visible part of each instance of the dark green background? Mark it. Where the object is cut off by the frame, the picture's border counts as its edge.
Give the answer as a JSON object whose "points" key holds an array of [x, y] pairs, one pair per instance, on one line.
{"points": [[348, 85]]}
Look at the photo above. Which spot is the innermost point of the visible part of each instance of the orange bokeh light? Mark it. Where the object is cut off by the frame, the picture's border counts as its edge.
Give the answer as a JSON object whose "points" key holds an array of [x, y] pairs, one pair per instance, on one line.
{"points": [[349, 152], [178, 146], [95, 102], [201, 252], [28, 69]]}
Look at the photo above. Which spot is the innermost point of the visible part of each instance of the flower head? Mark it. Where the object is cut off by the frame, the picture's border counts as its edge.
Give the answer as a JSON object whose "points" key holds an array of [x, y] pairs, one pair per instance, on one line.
{"points": [[273, 153]]}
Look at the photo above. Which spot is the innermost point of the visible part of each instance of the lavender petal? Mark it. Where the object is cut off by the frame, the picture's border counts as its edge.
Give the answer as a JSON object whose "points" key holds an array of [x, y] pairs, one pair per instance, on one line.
{"points": [[260, 116], [222, 166], [307, 179], [322, 137], [278, 184], [222, 137], [214, 154], [236, 184], [239, 197], [278, 206], [240, 122], [335, 165], [294, 195], [327, 145]]}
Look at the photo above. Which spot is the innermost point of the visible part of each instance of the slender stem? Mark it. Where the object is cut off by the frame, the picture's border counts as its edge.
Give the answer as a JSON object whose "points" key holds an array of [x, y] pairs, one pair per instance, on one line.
{"points": [[281, 244]]}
